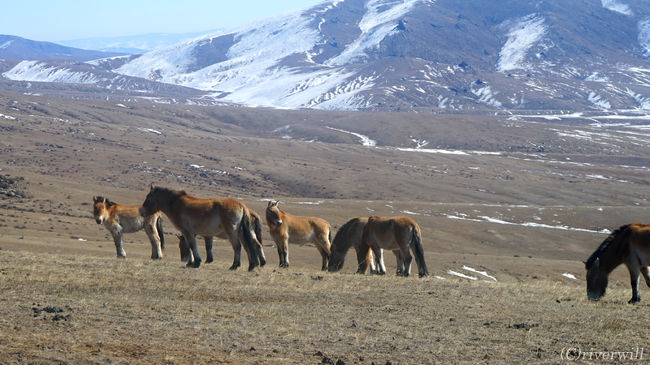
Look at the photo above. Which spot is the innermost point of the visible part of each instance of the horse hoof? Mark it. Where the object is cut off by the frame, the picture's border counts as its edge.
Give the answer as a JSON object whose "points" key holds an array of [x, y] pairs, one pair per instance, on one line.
{"points": [[233, 267], [194, 264], [423, 275], [262, 262], [634, 300], [209, 260], [251, 268]]}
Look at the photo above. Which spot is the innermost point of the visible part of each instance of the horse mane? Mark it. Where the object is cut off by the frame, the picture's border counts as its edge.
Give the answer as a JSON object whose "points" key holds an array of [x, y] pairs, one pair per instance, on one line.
{"points": [[98, 199], [176, 193], [607, 243], [342, 233]]}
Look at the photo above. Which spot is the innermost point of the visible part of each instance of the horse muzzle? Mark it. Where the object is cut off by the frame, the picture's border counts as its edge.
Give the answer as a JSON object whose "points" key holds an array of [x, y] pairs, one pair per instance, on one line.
{"points": [[98, 220], [278, 222]]}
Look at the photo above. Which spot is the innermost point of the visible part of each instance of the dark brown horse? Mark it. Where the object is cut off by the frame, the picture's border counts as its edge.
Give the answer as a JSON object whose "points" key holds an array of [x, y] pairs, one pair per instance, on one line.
{"points": [[206, 217], [186, 253], [348, 236], [629, 245], [286, 228], [119, 219], [394, 233]]}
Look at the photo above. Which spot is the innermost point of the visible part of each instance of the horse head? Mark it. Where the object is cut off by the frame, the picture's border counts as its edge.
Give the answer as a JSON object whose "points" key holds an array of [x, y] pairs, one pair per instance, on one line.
{"points": [[152, 202], [100, 208], [596, 280], [273, 214]]}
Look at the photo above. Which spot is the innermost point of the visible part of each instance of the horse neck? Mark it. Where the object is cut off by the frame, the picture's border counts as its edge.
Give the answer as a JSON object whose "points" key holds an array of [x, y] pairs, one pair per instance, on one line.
{"points": [[612, 256]]}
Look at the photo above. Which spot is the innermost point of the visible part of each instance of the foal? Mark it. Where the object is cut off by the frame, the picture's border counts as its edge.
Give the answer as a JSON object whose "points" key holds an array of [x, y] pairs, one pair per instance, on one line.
{"points": [[286, 228], [119, 219]]}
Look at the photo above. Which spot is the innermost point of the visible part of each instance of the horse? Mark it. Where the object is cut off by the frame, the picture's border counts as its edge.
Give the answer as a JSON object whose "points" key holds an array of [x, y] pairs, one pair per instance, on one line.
{"points": [[286, 228], [629, 245], [194, 216], [185, 248], [394, 233], [119, 219], [349, 235]]}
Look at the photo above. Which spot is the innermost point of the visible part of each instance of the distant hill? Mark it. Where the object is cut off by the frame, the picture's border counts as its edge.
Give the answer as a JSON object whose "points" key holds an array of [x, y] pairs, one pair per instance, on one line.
{"points": [[17, 49], [133, 44]]}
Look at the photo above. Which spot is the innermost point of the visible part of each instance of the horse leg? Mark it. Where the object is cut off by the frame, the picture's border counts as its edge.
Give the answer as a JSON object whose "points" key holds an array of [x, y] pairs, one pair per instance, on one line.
{"points": [[283, 251], [236, 247], [324, 255], [634, 281], [117, 238], [208, 249], [152, 233], [644, 271], [379, 260], [186, 254], [191, 240], [399, 262], [406, 259]]}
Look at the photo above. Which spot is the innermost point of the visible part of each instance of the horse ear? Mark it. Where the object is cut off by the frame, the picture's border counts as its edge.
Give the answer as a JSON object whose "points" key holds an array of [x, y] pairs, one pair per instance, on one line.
{"points": [[270, 204], [103, 200], [151, 187], [597, 262], [276, 203]]}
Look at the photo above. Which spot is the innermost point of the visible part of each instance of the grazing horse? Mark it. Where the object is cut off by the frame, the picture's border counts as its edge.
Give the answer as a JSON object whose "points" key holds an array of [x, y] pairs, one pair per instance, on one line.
{"points": [[186, 253], [349, 235], [207, 217], [119, 219], [394, 233], [629, 245], [286, 228]]}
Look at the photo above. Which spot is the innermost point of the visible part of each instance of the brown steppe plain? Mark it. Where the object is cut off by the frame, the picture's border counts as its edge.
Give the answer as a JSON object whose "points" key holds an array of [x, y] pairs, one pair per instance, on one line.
{"points": [[525, 214]]}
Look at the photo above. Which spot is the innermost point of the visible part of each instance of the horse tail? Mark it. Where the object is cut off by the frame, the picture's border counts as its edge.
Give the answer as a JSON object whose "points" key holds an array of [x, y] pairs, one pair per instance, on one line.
{"points": [[418, 251], [257, 227], [614, 239], [161, 233], [245, 227]]}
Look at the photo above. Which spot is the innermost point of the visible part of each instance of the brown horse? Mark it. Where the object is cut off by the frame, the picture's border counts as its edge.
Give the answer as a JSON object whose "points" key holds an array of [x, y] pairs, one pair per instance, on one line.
{"points": [[286, 228], [629, 245], [119, 219], [394, 233], [207, 217], [349, 235], [186, 253]]}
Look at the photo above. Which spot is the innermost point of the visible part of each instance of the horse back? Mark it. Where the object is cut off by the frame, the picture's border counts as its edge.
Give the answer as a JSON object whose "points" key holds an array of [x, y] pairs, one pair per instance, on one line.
{"points": [[390, 232], [639, 242], [209, 216], [127, 216]]}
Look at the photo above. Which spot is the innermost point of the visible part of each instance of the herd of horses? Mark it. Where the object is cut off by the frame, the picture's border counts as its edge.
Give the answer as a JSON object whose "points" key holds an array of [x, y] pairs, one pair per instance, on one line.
{"points": [[232, 220]]}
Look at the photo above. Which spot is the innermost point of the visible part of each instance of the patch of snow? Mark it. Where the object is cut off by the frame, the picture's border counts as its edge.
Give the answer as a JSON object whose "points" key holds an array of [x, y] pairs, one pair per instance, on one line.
{"points": [[596, 77], [617, 6], [122, 106], [409, 212], [570, 276], [41, 72], [149, 130], [7, 117], [522, 35], [446, 152], [525, 224], [598, 101], [454, 273], [196, 166], [311, 203], [365, 140], [484, 273], [378, 22], [6, 44], [486, 95]]}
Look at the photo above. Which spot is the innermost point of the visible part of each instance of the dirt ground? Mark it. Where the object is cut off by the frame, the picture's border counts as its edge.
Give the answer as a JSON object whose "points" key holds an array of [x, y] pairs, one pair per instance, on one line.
{"points": [[506, 225]]}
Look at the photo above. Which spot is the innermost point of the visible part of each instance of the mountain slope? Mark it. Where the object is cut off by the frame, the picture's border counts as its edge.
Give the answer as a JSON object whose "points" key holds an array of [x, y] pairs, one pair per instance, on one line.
{"points": [[18, 49], [443, 55]]}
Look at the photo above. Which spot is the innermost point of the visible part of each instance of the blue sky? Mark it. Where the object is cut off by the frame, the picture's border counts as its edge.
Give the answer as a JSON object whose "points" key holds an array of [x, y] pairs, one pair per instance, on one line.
{"points": [[59, 20]]}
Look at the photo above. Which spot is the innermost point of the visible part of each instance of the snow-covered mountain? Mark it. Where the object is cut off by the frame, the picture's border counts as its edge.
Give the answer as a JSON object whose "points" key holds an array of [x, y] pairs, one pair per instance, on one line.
{"points": [[440, 55]]}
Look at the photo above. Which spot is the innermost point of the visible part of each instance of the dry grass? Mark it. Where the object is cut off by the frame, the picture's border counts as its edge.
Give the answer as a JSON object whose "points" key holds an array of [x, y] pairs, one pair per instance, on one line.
{"points": [[140, 311]]}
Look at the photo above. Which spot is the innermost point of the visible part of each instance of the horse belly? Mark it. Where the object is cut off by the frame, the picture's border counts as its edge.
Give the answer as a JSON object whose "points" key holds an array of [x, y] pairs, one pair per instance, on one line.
{"points": [[302, 239], [131, 225]]}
